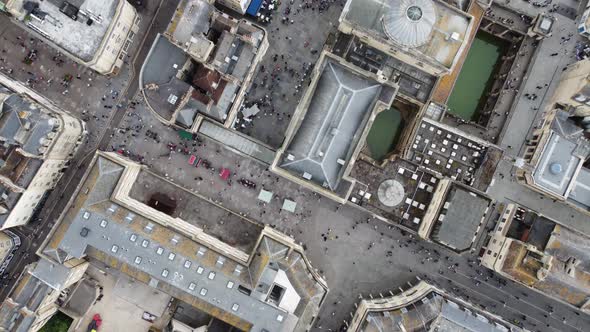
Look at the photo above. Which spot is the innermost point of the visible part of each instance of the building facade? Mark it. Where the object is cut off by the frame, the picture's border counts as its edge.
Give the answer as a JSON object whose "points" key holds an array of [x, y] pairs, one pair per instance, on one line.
{"points": [[9, 243], [574, 88], [424, 307], [584, 25], [38, 139], [95, 33], [38, 295], [239, 6], [539, 253], [266, 285]]}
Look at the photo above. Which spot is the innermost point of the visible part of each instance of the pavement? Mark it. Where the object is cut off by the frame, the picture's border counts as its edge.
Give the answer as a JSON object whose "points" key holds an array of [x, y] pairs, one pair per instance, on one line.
{"points": [[359, 256], [281, 78], [544, 70], [81, 102], [510, 78], [123, 303]]}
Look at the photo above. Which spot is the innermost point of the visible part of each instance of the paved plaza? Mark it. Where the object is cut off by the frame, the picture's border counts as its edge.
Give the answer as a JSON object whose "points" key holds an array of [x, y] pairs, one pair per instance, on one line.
{"points": [[360, 256], [283, 73]]}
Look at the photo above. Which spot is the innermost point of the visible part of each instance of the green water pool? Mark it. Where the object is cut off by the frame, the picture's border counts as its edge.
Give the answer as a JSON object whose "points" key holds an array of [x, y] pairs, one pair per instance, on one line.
{"points": [[476, 76], [384, 133]]}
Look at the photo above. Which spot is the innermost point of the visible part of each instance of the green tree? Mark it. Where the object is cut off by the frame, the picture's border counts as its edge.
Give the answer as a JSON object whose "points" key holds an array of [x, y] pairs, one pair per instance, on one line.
{"points": [[60, 322]]}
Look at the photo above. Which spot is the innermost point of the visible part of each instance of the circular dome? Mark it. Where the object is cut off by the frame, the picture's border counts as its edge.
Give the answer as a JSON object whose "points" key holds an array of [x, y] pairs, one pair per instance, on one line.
{"points": [[414, 13], [555, 168], [390, 193], [409, 22]]}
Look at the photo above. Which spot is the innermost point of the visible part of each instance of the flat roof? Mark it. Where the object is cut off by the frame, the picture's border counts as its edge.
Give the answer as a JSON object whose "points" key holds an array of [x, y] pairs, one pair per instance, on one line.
{"points": [[565, 244], [163, 62], [332, 125], [418, 186], [580, 192], [570, 283], [557, 165], [160, 67], [432, 311], [370, 15], [460, 217], [192, 21], [455, 154], [218, 222], [75, 36], [178, 260]]}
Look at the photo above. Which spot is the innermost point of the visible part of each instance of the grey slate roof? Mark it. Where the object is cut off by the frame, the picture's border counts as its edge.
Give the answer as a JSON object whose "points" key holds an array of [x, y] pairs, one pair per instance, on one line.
{"points": [[26, 130], [462, 218], [233, 56], [117, 238], [39, 131], [557, 151], [581, 190], [432, 312], [53, 274], [455, 319], [159, 68], [10, 123], [30, 294], [339, 109], [194, 21], [186, 116]]}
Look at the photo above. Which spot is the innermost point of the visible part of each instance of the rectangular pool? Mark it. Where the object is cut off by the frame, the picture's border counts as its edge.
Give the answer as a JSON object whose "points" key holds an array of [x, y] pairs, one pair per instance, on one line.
{"points": [[476, 76]]}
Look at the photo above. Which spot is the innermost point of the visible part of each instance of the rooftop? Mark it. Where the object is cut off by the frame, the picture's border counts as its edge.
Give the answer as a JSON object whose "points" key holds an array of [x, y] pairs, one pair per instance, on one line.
{"points": [[221, 223], [162, 87], [559, 263], [408, 203], [560, 169], [81, 30], [7, 244], [192, 21], [331, 122], [24, 124], [180, 76], [424, 307], [557, 165], [25, 298], [412, 81], [107, 222], [233, 56], [452, 153], [26, 134], [460, 218], [429, 28]]}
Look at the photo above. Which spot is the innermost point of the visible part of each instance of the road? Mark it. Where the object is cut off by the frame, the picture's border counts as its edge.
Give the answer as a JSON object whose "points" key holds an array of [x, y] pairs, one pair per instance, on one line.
{"points": [[35, 232], [358, 255]]}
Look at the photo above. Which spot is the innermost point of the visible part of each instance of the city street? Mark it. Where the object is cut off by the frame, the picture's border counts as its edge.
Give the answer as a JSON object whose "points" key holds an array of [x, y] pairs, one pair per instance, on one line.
{"points": [[295, 46], [360, 257], [99, 119]]}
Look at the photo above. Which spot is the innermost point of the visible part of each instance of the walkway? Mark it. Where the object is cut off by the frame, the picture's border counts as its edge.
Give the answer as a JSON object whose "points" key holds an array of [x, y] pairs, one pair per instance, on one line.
{"points": [[446, 83], [237, 141]]}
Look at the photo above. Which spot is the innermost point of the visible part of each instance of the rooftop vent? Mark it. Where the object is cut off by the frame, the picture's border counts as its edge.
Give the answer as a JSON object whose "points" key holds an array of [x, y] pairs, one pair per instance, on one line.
{"points": [[69, 10]]}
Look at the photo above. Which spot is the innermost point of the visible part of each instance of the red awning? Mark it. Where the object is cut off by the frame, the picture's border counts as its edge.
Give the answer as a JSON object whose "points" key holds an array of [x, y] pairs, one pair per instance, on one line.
{"points": [[225, 173]]}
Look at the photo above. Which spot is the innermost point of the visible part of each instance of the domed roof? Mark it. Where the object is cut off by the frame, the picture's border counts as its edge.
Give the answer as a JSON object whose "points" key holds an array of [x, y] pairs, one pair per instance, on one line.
{"points": [[390, 193], [409, 22]]}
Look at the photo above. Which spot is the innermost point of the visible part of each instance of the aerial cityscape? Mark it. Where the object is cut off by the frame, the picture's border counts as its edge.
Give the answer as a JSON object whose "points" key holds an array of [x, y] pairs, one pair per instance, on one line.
{"points": [[294, 165]]}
